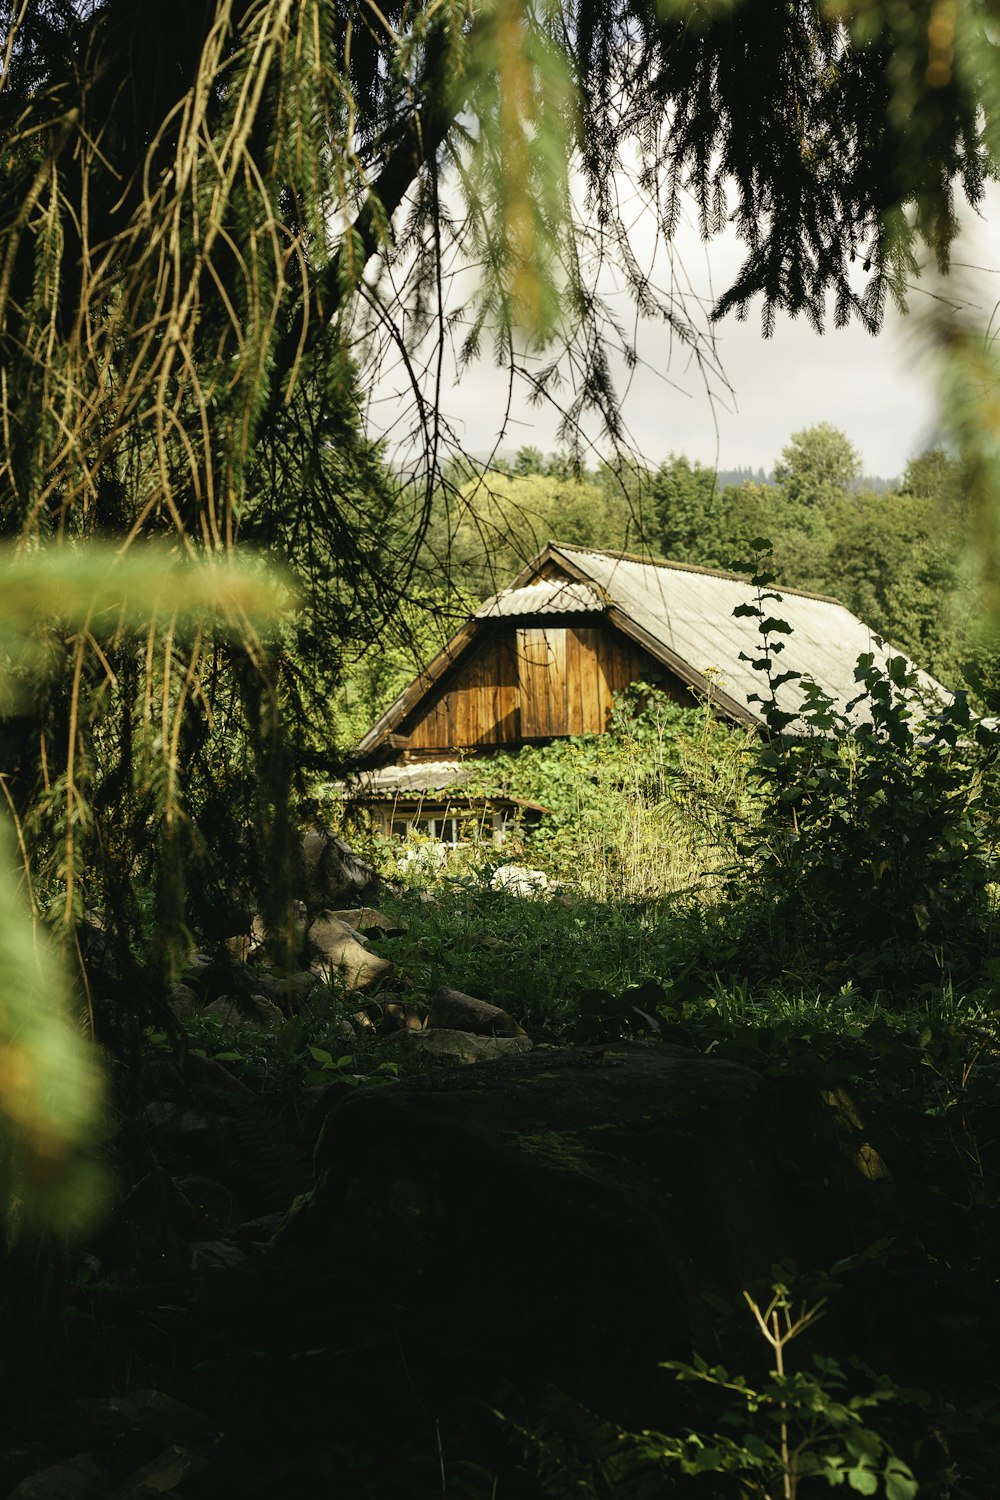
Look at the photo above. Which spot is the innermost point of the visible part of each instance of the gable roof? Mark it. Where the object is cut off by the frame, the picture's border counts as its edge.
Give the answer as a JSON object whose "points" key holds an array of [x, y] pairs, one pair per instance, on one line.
{"points": [[683, 616]]}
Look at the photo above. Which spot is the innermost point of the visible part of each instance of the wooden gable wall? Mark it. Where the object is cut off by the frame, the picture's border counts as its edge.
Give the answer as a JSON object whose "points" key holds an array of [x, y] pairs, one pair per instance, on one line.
{"points": [[524, 681]]}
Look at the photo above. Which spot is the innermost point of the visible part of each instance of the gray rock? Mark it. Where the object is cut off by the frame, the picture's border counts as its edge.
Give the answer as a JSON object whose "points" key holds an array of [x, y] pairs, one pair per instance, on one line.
{"points": [[209, 1082], [518, 880], [332, 875], [161, 1114], [399, 1015], [368, 918], [212, 1207], [464, 1046], [261, 1230], [285, 942], [79, 1478], [238, 946], [294, 989], [195, 968], [263, 984], [455, 1011], [194, 1140], [162, 1476], [207, 1254], [182, 1000], [257, 1014], [339, 950], [199, 1081], [149, 1411], [596, 1191]]}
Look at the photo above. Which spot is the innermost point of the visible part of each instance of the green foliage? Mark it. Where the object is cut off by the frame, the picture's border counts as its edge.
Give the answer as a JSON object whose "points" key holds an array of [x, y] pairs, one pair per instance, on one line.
{"points": [[371, 680], [898, 560], [515, 81], [877, 829], [682, 512], [894, 560], [777, 1434], [648, 808], [818, 466], [934, 475], [533, 958], [50, 1087], [318, 1046], [51, 1091], [496, 523]]}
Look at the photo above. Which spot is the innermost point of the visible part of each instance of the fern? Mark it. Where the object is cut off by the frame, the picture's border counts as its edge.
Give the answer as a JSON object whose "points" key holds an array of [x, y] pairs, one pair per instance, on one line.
{"points": [[276, 1163]]}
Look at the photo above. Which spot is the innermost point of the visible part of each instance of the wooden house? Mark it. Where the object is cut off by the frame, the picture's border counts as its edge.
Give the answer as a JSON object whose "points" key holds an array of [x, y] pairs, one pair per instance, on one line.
{"points": [[545, 656]]}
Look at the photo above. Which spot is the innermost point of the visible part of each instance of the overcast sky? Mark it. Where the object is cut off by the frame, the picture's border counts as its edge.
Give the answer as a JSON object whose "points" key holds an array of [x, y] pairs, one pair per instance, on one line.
{"points": [[880, 391]]}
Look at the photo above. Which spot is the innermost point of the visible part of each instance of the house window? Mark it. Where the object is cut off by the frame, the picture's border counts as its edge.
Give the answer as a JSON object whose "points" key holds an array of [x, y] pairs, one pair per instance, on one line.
{"points": [[443, 830]]}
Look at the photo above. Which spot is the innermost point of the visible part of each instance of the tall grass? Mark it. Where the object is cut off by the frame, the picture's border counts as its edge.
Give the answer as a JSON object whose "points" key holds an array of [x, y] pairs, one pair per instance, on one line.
{"points": [[669, 808]]}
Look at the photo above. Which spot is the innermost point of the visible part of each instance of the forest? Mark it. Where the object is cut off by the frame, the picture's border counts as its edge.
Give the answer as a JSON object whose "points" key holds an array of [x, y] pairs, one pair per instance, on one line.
{"points": [[654, 1151]]}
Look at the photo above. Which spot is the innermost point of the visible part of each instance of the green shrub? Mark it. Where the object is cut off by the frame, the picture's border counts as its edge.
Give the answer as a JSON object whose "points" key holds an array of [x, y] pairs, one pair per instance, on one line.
{"points": [[877, 827], [648, 809]]}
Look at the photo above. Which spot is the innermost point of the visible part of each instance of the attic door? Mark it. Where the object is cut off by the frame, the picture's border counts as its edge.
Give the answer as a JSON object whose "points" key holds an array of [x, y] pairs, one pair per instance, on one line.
{"points": [[541, 670]]}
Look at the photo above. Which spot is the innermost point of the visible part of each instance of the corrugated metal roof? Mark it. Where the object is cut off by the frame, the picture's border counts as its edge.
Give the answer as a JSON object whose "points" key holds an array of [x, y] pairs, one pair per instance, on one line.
{"points": [[424, 778], [551, 596], [411, 780], [689, 613]]}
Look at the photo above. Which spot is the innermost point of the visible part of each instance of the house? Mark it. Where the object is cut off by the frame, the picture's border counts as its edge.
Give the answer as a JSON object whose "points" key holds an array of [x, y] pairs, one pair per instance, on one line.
{"points": [[544, 657]]}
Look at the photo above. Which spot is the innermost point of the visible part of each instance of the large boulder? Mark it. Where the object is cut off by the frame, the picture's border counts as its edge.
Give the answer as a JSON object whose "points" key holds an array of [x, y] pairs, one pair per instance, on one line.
{"points": [[331, 875], [79, 1478], [370, 919], [463, 1046], [253, 1013], [340, 950], [455, 1011], [582, 1200]]}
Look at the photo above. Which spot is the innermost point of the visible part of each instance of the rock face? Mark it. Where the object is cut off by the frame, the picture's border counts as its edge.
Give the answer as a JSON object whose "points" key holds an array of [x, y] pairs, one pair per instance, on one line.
{"points": [[587, 1199]]}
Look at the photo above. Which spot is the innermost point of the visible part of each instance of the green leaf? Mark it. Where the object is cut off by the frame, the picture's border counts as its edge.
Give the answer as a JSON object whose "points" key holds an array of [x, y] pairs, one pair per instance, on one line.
{"points": [[899, 1481], [863, 1445], [863, 1480], [320, 1055]]}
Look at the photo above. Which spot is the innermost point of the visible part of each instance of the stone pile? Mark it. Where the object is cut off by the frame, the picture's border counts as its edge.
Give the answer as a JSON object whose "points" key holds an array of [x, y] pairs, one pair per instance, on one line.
{"points": [[330, 946]]}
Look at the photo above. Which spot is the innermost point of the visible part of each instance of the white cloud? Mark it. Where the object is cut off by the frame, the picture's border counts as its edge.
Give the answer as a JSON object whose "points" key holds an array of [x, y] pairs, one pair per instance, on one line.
{"points": [[880, 391]]}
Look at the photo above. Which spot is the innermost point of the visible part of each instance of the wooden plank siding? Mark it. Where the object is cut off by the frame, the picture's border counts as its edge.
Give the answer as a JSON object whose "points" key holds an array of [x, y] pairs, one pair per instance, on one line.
{"points": [[530, 682], [475, 704]]}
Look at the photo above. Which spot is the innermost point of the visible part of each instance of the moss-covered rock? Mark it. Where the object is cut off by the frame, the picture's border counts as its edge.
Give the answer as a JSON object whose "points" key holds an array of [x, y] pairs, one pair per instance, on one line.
{"points": [[582, 1201]]}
